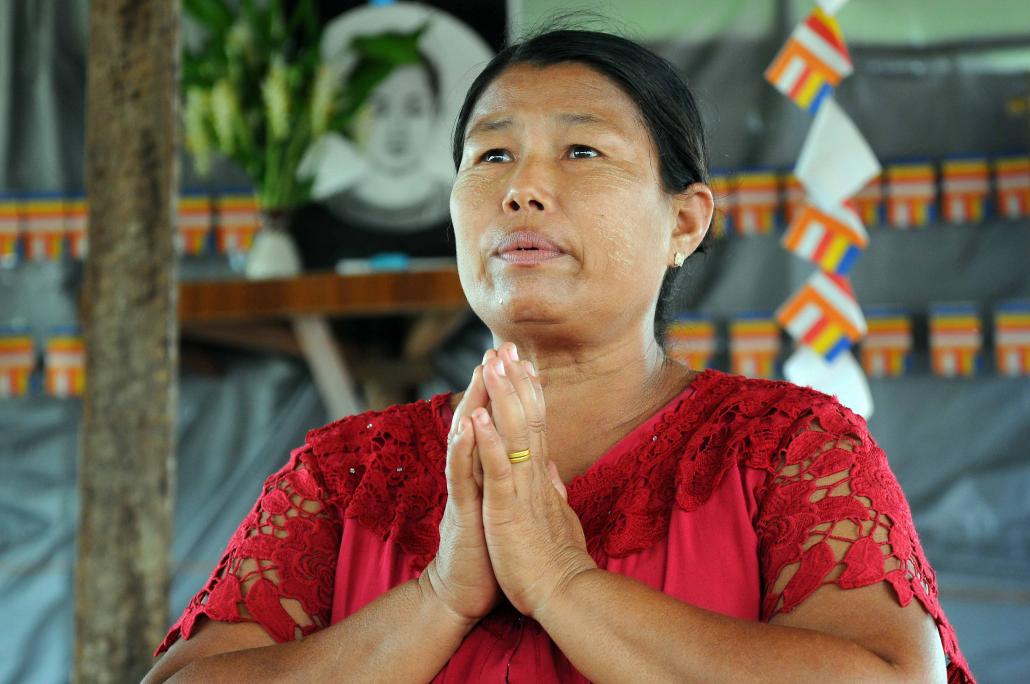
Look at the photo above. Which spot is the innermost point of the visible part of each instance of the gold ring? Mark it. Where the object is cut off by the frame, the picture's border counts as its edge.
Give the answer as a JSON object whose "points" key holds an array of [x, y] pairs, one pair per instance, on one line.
{"points": [[519, 456]]}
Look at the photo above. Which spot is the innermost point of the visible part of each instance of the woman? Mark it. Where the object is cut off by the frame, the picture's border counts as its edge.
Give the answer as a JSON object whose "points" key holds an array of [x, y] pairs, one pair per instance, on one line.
{"points": [[586, 508]]}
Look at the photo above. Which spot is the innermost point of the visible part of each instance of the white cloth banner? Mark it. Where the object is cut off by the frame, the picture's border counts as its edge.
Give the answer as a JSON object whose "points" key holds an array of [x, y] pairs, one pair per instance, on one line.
{"points": [[835, 161], [842, 377], [832, 6]]}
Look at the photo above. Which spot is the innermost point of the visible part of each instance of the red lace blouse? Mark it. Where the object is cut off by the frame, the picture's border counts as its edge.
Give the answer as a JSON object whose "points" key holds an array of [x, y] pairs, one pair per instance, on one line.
{"points": [[742, 481]]}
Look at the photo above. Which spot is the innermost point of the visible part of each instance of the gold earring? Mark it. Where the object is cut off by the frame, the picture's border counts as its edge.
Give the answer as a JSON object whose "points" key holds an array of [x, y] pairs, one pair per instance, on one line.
{"points": [[679, 259]]}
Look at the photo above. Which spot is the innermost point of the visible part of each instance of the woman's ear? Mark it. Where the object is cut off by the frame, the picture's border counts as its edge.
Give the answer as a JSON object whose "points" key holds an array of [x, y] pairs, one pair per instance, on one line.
{"points": [[694, 207]]}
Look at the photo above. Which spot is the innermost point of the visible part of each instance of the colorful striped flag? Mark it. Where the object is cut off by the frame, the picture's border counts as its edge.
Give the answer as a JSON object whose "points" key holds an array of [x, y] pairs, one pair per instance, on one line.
{"points": [[832, 239], [76, 221], [1012, 338], [10, 229], [65, 365], [721, 185], [237, 222], [955, 340], [754, 345], [887, 347], [869, 202], [965, 185], [824, 315], [690, 338], [793, 197], [1012, 175], [17, 359], [911, 194], [195, 221], [43, 226], [812, 63], [756, 199]]}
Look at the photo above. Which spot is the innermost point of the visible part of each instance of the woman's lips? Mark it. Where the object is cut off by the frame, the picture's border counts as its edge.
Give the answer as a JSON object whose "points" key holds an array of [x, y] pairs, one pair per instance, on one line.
{"points": [[528, 257], [526, 248]]}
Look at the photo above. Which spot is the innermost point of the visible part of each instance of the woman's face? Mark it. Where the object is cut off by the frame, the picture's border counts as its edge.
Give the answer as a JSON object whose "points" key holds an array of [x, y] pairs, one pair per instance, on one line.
{"points": [[558, 158], [399, 121]]}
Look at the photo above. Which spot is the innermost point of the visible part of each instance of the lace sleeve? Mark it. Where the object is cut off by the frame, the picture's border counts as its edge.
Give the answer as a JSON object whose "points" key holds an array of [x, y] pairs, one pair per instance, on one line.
{"points": [[279, 565], [832, 512]]}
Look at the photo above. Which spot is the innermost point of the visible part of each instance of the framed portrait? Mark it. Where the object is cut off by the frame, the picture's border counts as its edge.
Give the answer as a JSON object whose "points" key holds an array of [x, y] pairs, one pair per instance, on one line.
{"points": [[385, 185]]}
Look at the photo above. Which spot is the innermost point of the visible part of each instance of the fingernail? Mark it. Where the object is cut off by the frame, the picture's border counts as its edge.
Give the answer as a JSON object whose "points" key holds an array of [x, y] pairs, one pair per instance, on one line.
{"points": [[514, 353], [461, 428], [530, 368], [499, 367], [483, 417], [486, 355]]}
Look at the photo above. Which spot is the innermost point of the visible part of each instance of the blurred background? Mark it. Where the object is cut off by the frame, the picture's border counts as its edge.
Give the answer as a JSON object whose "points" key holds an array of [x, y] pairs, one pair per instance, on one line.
{"points": [[370, 312]]}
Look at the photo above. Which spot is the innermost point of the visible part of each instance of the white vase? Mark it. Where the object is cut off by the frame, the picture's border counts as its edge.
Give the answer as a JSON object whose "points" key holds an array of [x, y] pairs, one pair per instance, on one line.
{"points": [[273, 253]]}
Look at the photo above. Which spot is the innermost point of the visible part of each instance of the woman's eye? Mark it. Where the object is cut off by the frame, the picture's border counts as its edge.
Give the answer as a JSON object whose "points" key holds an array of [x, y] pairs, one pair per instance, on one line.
{"points": [[583, 152], [495, 156]]}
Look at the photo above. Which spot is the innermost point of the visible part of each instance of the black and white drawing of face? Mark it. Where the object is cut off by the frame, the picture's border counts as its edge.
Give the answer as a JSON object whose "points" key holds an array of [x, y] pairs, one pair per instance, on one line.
{"points": [[399, 120]]}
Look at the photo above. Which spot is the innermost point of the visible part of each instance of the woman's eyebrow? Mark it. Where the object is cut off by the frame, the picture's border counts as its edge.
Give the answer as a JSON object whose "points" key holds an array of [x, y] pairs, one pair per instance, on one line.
{"points": [[581, 119], [489, 126], [565, 119]]}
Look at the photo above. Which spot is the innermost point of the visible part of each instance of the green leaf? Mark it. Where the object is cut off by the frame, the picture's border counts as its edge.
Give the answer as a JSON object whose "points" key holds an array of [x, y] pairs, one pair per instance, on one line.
{"points": [[395, 48], [304, 16], [211, 13], [276, 24]]}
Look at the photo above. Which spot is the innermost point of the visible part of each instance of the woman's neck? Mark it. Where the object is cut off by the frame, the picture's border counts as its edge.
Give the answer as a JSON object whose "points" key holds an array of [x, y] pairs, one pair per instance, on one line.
{"points": [[595, 396]]}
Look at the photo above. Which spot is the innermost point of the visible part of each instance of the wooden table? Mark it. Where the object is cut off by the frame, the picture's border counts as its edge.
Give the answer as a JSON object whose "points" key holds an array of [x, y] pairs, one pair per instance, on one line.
{"points": [[291, 316], [322, 294]]}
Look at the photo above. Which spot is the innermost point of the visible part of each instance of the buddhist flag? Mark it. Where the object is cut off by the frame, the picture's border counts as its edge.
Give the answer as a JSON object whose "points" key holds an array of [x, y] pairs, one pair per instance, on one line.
{"points": [[812, 63], [965, 186], [721, 185], [195, 223], [237, 222], [835, 160], [955, 340], [76, 220], [887, 347], [691, 339], [1012, 338], [756, 199], [911, 194], [823, 315], [869, 202], [832, 239], [10, 229], [43, 227], [793, 197], [65, 364], [754, 345], [1012, 176], [17, 359]]}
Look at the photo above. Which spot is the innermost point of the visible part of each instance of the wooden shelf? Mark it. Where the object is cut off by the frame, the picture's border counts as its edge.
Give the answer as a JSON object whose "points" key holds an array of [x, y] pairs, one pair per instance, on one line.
{"points": [[324, 294]]}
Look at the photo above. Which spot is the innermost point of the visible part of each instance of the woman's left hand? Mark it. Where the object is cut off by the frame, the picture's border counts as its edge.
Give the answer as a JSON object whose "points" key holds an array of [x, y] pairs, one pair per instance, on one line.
{"points": [[535, 540]]}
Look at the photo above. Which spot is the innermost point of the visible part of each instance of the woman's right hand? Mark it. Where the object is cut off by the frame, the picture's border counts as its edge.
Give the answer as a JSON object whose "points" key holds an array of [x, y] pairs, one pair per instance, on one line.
{"points": [[461, 575]]}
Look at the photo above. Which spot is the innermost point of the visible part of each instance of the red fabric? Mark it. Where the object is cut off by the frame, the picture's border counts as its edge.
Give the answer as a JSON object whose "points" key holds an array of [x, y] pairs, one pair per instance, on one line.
{"points": [[764, 490]]}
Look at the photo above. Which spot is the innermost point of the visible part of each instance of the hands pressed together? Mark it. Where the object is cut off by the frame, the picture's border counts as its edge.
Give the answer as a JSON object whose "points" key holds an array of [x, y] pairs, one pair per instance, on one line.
{"points": [[507, 527]]}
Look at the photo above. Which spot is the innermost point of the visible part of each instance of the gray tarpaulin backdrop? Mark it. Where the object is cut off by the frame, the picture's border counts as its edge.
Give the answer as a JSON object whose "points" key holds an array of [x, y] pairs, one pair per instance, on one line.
{"points": [[959, 447]]}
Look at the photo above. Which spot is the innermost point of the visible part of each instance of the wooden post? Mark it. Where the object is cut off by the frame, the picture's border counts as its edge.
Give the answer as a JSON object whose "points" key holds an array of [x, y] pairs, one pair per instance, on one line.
{"points": [[127, 444]]}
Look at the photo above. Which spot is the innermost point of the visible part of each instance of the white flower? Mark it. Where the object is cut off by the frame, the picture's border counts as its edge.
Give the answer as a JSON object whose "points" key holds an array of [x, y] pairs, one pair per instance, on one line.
{"points": [[276, 95], [198, 142], [323, 93], [239, 41], [225, 111]]}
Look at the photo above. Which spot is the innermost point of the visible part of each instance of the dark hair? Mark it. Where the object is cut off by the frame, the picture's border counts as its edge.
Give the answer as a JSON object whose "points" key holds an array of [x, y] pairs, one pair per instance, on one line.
{"points": [[666, 106]]}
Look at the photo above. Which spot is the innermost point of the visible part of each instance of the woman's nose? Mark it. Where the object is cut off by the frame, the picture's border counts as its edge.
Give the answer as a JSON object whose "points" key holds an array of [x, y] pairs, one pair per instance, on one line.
{"points": [[529, 191]]}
